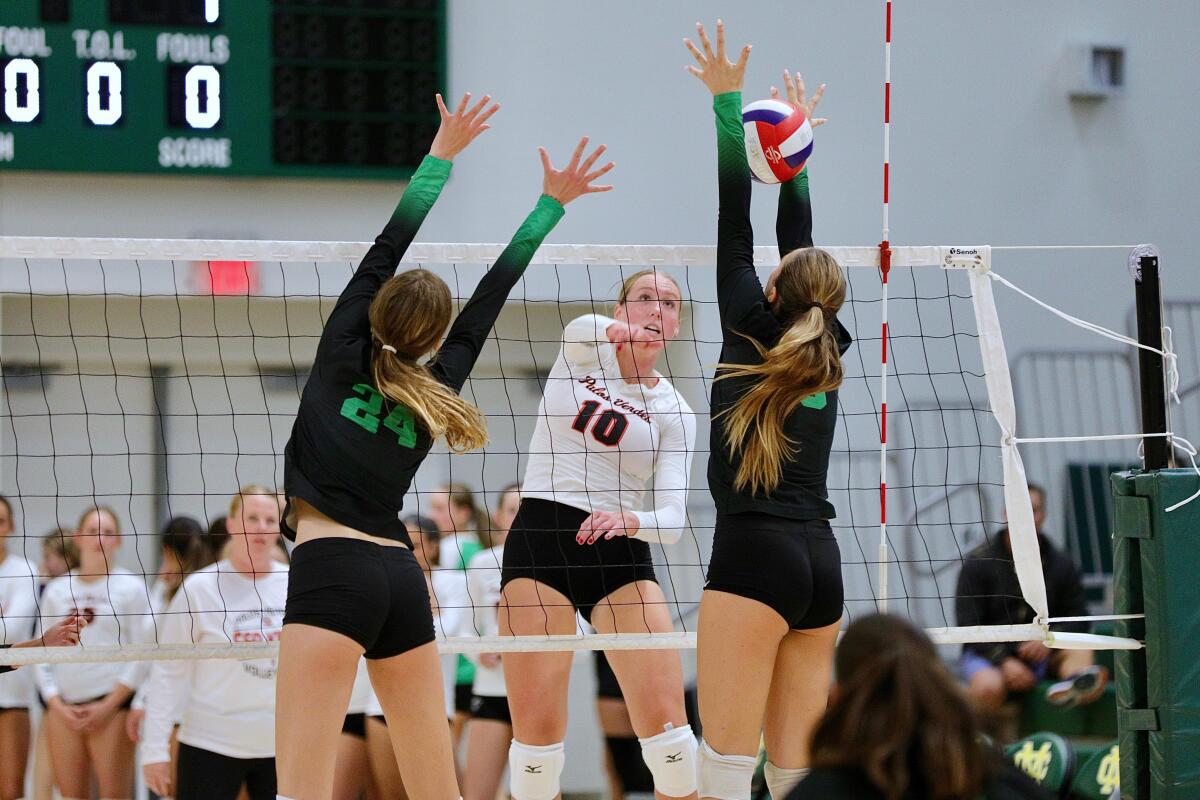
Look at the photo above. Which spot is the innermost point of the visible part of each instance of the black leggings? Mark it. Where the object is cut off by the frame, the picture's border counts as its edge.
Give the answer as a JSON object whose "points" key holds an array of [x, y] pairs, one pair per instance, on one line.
{"points": [[204, 775]]}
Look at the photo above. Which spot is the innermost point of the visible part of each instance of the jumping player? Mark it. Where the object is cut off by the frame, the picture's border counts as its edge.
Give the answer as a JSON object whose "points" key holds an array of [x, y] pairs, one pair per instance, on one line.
{"points": [[369, 414], [771, 608]]}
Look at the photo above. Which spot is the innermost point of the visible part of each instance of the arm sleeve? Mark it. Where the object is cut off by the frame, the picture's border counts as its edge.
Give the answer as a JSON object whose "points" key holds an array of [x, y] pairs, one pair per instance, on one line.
{"points": [[740, 297], [585, 343], [666, 522], [43, 674], [458, 353], [793, 222], [136, 616], [170, 681], [348, 320]]}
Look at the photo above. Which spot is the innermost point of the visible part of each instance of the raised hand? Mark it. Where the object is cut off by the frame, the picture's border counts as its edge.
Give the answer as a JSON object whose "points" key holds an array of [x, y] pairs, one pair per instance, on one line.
{"points": [[576, 178], [460, 128], [719, 74], [797, 97]]}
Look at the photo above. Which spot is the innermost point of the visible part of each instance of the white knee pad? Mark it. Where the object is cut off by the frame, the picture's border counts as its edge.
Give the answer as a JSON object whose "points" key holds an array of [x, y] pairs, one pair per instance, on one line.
{"points": [[533, 770], [725, 777], [671, 757], [781, 781]]}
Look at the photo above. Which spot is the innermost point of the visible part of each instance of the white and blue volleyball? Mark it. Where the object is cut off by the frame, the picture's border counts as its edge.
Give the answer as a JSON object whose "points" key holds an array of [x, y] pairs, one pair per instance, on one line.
{"points": [[779, 140]]}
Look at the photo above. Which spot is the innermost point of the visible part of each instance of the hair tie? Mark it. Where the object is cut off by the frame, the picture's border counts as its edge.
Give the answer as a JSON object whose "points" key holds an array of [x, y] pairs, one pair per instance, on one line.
{"points": [[816, 305], [389, 348]]}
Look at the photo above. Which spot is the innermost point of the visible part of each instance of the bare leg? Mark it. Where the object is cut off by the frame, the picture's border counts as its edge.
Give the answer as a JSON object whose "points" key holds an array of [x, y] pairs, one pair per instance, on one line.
{"points": [[72, 771], [738, 641], [537, 682], [352, 772], [799, 694], [111, 754], [43, 769], [14, 733], [316, 674], [409, 687], [487, 756], [651, 680], [385, 772], [1070, 662]]}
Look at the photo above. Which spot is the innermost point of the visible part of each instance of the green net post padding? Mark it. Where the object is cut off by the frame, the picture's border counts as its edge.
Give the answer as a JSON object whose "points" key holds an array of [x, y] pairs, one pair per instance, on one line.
{"points": [[1156, 571]]}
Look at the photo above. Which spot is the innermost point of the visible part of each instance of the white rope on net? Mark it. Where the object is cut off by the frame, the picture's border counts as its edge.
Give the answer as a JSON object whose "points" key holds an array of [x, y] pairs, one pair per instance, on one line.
{"points": [[517, 644]]}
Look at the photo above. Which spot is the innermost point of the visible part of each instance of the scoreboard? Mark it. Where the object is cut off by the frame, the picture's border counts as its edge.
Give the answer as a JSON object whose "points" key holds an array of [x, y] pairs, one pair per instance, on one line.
{"points": [[314, 88]]}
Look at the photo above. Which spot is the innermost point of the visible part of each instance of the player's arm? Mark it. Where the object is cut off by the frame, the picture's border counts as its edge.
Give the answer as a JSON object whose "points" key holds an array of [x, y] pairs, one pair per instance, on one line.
{"points": [[166, 693], [463, 343], [739, 292], [793, 222], [457, 130], [64, 633]]}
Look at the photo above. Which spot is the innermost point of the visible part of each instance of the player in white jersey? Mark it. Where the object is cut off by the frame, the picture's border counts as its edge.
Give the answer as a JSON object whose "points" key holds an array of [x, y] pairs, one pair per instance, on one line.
{"points": [[490, 729], [18, 612], [608, 425], [88, 703], [225, 708]]}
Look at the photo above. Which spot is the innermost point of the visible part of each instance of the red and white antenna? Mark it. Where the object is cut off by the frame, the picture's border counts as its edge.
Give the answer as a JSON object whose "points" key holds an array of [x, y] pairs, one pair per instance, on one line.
{"points": [[885, 265]]}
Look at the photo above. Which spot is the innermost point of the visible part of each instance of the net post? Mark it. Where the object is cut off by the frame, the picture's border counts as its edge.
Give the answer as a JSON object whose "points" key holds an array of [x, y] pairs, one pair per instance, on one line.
{"points": [[1156, 448]]}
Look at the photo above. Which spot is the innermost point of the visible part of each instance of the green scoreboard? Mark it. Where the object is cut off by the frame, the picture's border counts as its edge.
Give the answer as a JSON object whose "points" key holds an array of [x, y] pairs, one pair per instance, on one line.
{"points": [[315, 88]]}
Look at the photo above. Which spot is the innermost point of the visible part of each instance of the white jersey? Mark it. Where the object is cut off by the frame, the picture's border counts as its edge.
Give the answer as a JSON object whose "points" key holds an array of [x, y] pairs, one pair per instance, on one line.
{"points": [[452, 618], [483, 586], [18, 616], [116, 607], [599, 440], [223, 706]]}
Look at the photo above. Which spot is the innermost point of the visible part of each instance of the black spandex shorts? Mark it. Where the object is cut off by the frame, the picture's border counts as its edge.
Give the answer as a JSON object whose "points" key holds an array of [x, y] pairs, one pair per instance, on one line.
{"points": [[204, 775], [462, 697], [485, 707], [793, 566], [541, 545], [355, 725], [375, 595]]}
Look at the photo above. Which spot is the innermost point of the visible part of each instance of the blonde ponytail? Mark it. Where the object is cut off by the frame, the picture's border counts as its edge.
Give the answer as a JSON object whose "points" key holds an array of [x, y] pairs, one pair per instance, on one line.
{"points": [[408, 316], [805, 361]]}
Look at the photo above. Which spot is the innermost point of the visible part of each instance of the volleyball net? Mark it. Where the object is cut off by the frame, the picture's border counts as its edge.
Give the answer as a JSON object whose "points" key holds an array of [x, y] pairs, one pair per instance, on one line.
{"points": [[158, 376]]}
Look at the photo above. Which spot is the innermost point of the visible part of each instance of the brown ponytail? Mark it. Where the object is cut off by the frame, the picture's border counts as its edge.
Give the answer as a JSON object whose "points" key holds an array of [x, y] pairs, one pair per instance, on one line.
{"points": [[805, 361], [899, 716], [409, 314]]}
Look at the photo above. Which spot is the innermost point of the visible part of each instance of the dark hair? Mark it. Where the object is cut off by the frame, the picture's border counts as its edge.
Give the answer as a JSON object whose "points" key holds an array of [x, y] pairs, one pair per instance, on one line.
{"points": [[423, 525], [218, 537], [461, 495], [184, 537], [899, 716]]}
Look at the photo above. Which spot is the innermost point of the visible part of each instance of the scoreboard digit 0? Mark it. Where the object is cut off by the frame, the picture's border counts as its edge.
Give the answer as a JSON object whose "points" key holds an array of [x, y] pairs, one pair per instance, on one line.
{"points": [[314, 88]]}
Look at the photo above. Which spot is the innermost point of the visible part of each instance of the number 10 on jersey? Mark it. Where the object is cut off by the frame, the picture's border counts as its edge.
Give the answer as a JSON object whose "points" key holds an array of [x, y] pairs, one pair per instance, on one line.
{"points": [[607, 428]]}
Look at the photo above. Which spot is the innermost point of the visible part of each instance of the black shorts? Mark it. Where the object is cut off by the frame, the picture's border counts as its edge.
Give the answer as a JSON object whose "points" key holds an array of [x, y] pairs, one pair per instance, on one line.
{"points": [[375, 595], [205, 775], [793, 566], [541, 545], [494, 708], [355, 725], [462, 697], [606, 679]]}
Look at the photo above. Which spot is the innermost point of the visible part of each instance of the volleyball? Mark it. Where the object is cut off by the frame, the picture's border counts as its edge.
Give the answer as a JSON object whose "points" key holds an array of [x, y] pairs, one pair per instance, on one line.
{"points": [[779, 140]]}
